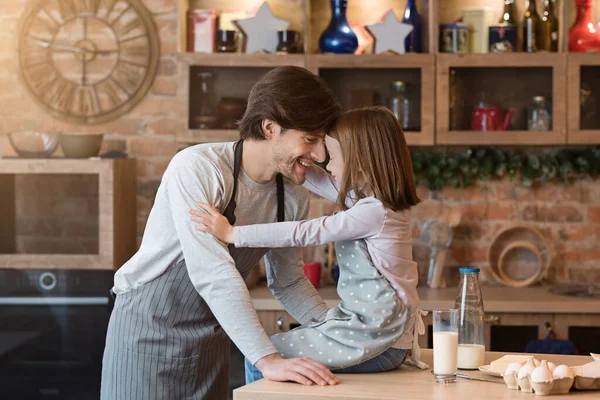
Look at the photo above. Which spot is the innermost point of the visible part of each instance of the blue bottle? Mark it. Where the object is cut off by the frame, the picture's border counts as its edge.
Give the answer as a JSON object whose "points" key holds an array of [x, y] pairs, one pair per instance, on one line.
{"points": [[414, 41], [338, 37]]}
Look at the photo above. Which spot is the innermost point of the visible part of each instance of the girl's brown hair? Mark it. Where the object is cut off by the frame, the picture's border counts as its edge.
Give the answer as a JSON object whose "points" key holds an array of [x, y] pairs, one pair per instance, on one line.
{"points": [[376, 158]]}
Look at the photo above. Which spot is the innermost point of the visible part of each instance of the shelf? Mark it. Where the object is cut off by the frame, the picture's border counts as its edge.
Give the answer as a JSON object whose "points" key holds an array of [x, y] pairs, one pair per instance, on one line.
{"points": [[105, 195], [493, 60], [241, 59], [576, 61], [508, 81], [410, 60], [195, 136], [505, 138]]}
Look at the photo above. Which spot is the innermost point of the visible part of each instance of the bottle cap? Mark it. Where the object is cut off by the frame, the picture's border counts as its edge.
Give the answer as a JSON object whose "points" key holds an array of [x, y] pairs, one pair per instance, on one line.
{"points": [[466, 270]]}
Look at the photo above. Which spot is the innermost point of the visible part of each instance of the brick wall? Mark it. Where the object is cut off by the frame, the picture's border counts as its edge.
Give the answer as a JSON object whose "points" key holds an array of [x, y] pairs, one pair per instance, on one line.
{"points": [[146, 133], [569, 215]]}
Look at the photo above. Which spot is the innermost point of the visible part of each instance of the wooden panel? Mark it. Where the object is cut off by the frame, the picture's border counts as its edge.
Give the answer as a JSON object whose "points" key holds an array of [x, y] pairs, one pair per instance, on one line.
{"points": [[501, 77], [116, 190], [241, 60], [124, 224], [8, 221], [365, 13], [411, 60], [505, 319], [562, 322], [452, 10], [405, 383], [576, 133]]}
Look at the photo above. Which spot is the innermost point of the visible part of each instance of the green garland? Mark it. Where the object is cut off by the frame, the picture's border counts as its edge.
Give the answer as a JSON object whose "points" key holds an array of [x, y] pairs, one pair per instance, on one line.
{"points": [[439, 167]]}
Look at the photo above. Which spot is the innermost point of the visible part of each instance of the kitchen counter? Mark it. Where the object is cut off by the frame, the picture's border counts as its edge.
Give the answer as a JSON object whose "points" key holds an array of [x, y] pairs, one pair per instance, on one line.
{"points": [[535, 299], [406, 383]]}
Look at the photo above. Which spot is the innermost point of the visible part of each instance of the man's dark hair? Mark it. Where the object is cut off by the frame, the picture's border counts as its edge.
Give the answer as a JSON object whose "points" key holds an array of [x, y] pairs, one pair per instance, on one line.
{"points": [[294, 98]]}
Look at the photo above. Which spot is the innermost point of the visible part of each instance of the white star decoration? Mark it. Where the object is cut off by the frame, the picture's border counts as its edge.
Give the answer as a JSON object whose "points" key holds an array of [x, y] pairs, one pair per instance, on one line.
{"points": [[261, 30], [390, 34]]}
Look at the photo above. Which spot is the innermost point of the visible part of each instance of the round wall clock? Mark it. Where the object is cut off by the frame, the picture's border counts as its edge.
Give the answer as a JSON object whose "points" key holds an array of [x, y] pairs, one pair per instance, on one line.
{"points": [[88, 61]]}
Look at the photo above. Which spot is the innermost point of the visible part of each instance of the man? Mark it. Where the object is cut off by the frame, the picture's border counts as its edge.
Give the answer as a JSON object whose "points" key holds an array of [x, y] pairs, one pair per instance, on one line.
{"points": [[183, 292]]}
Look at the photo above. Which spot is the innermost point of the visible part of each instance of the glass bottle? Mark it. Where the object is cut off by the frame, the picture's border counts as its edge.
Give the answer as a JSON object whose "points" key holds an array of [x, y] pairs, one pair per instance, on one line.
{"points": [[400, 104], [548, 39], [338, 37], [531, 23], [508, 15], [205, 111], [539, 116], [414, 41], [469, 302], [584, 35]]}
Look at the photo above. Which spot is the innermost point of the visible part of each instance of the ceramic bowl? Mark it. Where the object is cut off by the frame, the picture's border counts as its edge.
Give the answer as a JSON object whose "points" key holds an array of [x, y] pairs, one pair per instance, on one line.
{"points": [[29, 144], [81, 145]]}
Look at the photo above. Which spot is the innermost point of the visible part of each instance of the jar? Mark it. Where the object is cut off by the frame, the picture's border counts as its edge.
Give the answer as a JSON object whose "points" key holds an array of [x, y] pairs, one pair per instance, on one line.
{"points": [[204, 113], [469, 302], [539, 117], [401, 105], [226, 41], [288, 41]]}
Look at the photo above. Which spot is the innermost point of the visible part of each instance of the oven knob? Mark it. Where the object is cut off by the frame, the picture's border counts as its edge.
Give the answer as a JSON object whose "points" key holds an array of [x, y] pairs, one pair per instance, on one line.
{"points": [[47, 281]]}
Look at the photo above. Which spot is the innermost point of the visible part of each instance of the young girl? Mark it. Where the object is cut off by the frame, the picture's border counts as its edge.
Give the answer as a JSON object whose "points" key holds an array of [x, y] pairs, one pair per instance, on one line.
{"points": [[371, 178]]}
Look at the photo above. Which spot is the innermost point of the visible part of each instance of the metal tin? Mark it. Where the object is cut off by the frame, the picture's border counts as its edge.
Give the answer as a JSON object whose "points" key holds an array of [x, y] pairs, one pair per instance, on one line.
{"points": [[454, 38], [503, 38]]}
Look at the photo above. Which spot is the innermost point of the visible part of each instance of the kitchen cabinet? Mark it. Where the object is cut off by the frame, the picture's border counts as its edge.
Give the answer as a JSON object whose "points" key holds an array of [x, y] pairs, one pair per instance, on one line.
{"points": [[100, 235], [582, 329], [276, 321], [509, 332]]}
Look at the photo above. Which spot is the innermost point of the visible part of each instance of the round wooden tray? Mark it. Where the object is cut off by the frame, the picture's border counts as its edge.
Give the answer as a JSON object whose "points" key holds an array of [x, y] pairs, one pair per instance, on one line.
{"points": [[520, 264], [526, 273]]}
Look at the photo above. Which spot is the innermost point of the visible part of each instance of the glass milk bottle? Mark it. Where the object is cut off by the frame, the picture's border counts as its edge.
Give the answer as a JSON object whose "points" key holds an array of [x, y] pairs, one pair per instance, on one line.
{"points": [[471, 344]]}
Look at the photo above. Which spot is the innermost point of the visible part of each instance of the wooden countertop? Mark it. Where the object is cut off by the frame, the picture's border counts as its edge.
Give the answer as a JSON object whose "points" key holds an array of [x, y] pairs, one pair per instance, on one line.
{"points": [[535, 299], [407, 383]]}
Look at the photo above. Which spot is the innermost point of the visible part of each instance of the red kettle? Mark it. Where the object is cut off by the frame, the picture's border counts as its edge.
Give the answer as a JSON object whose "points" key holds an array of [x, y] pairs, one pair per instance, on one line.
{"points": [[488, 118]]}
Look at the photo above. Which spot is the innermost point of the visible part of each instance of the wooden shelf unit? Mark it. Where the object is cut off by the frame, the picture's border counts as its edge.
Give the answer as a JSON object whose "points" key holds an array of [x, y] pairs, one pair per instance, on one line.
{"points": [[424, 65], [554, 61], [577, 61], [117, 236], [241, 60], [311, 17]]}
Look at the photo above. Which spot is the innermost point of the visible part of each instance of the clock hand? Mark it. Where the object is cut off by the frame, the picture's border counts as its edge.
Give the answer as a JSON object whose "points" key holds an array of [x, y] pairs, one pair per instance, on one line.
{"points": [[46, 44], [43, 43]]}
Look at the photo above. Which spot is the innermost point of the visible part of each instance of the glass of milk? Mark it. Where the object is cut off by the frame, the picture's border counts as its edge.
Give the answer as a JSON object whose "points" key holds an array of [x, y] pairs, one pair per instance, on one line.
{"points": [[445, 345]]}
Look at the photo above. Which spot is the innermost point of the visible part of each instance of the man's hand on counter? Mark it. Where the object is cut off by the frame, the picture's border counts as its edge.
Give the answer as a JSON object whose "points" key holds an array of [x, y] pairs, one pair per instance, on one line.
{"points": [[301, 370]]}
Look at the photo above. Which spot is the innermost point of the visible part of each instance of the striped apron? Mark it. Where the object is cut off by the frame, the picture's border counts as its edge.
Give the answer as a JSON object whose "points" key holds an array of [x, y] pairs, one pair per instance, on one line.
{"points": [[163, 341]]}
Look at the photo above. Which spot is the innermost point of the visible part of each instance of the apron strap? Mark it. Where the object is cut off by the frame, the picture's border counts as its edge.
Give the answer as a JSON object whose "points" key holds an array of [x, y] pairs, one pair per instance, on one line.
{"points": [[418, 329], [280, 199], [229, 212]]}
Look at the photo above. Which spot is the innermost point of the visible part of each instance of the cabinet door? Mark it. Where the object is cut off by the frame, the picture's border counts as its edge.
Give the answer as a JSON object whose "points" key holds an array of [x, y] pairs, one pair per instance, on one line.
{"points": [[511, 332], [276, 321], [581, 329]]}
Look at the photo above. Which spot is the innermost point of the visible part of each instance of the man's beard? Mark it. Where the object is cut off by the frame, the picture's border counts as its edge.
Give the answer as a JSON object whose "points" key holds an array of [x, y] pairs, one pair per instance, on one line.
{"points": [[286, 165]]}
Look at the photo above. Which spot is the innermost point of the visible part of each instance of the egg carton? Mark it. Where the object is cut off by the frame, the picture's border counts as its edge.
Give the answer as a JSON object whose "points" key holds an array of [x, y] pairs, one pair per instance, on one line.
{"points": [[586, 383], [554, 386]]}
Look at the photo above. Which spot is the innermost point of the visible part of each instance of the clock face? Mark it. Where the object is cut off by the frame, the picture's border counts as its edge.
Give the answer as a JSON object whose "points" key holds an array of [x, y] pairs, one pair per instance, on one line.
{"points": [[88, 61]]}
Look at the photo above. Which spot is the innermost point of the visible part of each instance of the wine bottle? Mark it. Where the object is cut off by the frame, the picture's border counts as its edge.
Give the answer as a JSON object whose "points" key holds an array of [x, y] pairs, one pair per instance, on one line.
{"points": [[531, 23], [508, 15], [548, 39]]}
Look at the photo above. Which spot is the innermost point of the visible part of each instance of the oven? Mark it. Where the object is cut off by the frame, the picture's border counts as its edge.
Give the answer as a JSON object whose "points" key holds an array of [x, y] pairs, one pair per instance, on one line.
{"points": [[52, 333]]}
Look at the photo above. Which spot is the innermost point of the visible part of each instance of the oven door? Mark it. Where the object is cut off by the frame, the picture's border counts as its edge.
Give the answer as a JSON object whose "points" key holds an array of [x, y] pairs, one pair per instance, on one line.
{"points": [[51, 347]]}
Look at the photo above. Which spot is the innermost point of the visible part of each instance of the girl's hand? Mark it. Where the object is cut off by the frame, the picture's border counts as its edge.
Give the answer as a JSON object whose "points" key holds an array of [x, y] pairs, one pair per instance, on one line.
{"points": [[212, 222]]}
